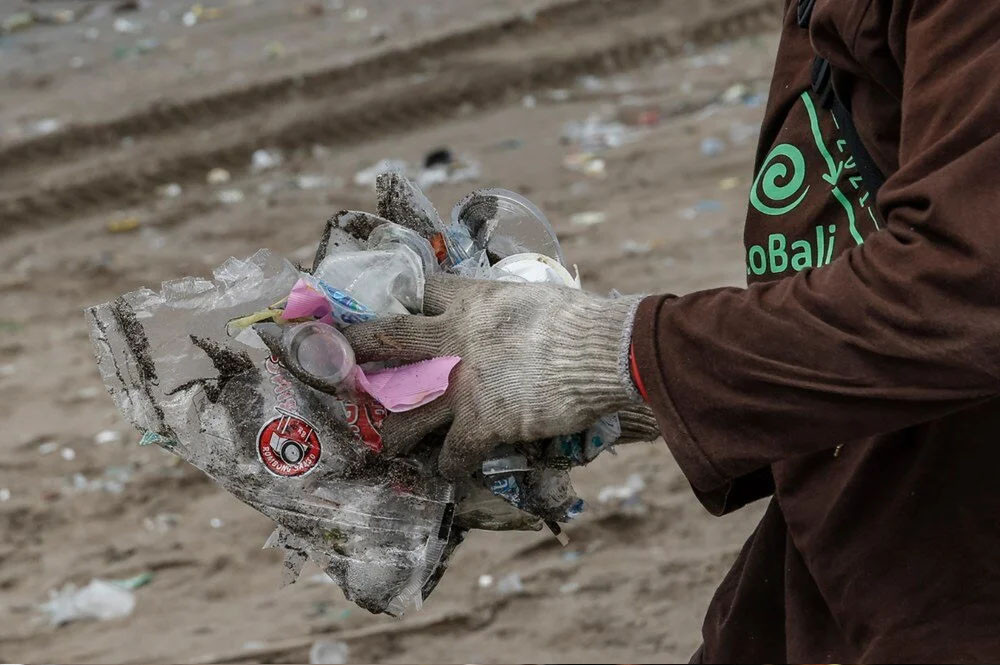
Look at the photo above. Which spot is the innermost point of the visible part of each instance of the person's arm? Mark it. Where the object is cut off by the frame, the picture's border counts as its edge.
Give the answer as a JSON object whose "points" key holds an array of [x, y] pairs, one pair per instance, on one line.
{"points": [[895, 332]]}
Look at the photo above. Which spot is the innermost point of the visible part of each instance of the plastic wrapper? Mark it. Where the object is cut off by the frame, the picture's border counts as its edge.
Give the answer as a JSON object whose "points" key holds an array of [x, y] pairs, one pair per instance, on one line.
{"points": [[312, 297]]}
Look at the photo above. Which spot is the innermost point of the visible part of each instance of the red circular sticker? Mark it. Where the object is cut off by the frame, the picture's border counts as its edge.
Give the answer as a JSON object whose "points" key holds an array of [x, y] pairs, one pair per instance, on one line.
{"points": [[288, 446]]}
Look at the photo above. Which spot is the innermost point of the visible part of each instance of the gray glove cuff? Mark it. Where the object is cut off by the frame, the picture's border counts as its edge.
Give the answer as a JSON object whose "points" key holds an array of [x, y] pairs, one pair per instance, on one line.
{"points": [[592, 361]]}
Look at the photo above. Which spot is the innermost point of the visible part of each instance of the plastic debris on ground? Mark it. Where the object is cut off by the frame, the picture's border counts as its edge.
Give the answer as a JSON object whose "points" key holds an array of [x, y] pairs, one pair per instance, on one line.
{"points": [[308, 181], [161, 523], [17, 21], [589, 218], [133, 583], [230, 196], [712, 146], [329, 652], [440, 167], [101, 600], [246, 376], [510, 585], [585, 162], [113, 480], [636, 248], [217, 176], [45, 126], [595, 133], [47, 448], [355, 14], [170, 191], [627, 496], [123, 225], [126, 26], [262, 160]]}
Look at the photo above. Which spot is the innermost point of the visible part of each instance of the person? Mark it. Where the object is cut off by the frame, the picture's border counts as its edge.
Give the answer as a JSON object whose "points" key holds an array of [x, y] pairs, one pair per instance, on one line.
{"points": [[854, 381]]}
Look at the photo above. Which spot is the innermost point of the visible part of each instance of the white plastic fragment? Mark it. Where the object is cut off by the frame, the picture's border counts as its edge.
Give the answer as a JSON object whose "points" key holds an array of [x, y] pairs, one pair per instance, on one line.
{"points": [[262, 160], [230, 196], [628, 491], [125, 26], [170, 191], [510, 585], [588, 218], [101, 600], [107, 436], [48, 447], [328, 652], [217, 176]]}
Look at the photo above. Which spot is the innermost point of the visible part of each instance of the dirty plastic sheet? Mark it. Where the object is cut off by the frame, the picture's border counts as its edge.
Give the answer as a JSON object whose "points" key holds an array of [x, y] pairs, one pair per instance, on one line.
{"points": [[304, 458]]}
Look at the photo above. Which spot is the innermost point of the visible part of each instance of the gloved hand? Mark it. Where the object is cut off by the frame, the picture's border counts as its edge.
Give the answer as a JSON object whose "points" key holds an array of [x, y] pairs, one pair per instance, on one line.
{"points": [[537, 361]]}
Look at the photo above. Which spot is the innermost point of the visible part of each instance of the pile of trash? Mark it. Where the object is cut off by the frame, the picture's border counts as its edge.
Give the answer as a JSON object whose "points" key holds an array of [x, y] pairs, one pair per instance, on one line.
{"points": [[248, 378]]}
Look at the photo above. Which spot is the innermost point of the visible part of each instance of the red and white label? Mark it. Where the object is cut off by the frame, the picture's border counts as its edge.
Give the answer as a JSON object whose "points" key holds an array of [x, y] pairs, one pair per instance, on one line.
{"points": [[288, 446]]}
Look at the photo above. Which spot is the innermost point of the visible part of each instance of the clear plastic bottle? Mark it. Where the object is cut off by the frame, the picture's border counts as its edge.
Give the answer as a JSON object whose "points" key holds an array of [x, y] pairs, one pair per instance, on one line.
{"points": [[320, 351]]}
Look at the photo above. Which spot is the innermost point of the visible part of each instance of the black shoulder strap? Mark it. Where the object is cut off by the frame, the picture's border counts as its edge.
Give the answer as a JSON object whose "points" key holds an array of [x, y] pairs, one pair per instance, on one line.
{"points": [[829, 98]]}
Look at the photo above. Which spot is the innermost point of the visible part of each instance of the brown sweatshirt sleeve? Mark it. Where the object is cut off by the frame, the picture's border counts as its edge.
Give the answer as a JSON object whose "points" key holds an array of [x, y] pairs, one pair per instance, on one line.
{"points": [[900, 330]]}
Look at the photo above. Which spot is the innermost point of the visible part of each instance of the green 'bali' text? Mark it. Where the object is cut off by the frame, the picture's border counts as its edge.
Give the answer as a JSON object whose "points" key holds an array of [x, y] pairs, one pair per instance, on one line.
{"points": [[780, 254]]}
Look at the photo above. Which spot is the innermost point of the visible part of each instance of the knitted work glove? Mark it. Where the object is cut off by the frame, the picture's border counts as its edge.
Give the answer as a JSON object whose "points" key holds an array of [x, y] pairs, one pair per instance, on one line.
{"points": [[537, 361], [638, 424]]}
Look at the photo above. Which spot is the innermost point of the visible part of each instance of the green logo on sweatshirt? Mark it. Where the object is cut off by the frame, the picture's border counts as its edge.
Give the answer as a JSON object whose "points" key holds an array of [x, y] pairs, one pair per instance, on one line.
{"points": [[784, 163], [780, 188]]}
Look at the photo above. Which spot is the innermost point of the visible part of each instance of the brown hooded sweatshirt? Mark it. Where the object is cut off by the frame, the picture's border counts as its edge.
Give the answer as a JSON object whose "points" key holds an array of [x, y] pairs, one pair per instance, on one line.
{"points": [[857, 377]]}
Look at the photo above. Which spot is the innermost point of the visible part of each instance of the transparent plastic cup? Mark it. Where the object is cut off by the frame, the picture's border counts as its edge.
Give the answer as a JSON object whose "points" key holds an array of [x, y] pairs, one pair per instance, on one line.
{"points": [[506, 223]]}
